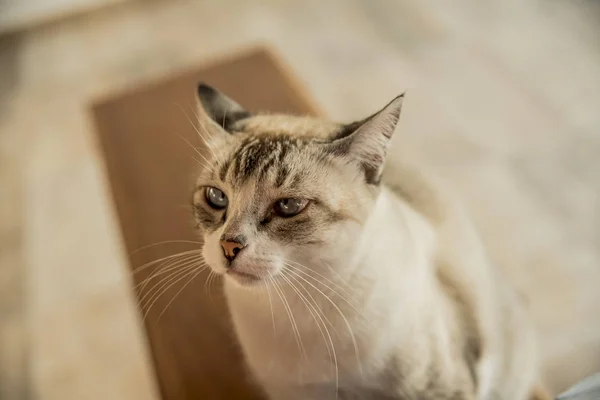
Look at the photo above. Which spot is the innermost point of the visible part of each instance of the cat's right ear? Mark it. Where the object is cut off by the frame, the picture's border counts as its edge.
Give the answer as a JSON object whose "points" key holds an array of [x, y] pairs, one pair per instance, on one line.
{"points": [[217, 112]]}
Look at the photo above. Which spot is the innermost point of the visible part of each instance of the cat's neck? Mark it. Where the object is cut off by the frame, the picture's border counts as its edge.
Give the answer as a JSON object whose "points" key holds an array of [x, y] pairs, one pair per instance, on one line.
{"points": [[396, 237], [394, 260]]}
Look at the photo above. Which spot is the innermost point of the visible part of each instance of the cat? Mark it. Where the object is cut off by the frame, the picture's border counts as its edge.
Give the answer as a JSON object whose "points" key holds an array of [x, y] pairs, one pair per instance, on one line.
{"points": [[349, 276]]}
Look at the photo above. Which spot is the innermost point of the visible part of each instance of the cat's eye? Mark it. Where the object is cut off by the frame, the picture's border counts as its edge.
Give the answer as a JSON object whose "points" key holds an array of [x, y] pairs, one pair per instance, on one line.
{"points": [[216, 198], [289, 207]]}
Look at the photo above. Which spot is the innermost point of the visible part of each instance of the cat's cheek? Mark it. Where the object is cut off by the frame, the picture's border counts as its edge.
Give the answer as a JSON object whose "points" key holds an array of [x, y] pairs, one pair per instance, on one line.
{"points": [[276, 263], [340, 242]]}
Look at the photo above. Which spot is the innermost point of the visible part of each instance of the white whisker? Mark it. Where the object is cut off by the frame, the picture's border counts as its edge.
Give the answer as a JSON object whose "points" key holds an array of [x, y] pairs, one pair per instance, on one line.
{"points": [[348, 326], [168, 266], [288, 310], [206, 142], [158, 286], [270, 279], [319, 312], [345, 299], [206, 287], [198, 270], [322, 277], [220, 156], [163, 242], [188, 272], [212, 280], [154, 262], [337, 274], [167, 269], [312, 308], [208, 163], [164, 268]]}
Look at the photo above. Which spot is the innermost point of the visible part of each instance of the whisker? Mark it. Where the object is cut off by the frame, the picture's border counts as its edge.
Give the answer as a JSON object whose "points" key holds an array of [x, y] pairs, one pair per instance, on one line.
{"points": [[177, 265], [337, 274], [148, 295], [322, 276], [197, 271], [206, 142], [311, 308], [346, 300], [208, 163], [163, 242], [214, 151], [210, 136], [206, 290], [164, 268], [154, 262], [211, 284], [188, 272], [157, 290], [341, 279], [319, 312], [348, 326], [270, 279], [288, 310], [166, 262], [213, 279], [170, 267]]}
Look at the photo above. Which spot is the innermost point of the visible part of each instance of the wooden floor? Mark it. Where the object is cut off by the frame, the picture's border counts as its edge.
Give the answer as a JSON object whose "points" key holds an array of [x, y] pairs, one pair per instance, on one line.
{"points": [[502, 101], [191, 345]]}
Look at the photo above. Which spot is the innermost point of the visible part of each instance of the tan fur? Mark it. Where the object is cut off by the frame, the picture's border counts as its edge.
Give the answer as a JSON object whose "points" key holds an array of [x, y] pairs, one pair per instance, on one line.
{"points": [[385, 292], [277, 124]]}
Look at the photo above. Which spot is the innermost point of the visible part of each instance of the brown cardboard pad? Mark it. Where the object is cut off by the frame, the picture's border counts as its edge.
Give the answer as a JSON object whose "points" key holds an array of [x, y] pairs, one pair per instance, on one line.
{"points": [[147, 139]]}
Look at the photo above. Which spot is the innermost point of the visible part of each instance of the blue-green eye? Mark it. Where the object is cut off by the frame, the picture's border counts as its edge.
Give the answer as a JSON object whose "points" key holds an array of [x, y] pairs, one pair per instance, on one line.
{"points": [[216, 198]]}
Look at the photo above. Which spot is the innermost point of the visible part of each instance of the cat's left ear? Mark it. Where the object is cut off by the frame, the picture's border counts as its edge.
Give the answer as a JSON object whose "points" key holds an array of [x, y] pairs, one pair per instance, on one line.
{"points": [[217, 112], [366, 142]]}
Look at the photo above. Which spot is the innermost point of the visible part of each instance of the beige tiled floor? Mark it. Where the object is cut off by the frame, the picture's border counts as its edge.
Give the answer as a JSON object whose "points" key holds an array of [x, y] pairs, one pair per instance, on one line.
{"points": [[503, 101]]}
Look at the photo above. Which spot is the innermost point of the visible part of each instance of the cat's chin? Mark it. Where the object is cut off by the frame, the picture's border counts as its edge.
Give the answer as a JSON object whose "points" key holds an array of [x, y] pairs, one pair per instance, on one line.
{"points": [[243, 278]]}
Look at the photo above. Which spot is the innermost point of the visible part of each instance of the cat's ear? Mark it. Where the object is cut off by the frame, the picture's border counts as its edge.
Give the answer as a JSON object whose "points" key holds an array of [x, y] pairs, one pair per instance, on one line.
{"points": [[218, 110], [366, 142]]}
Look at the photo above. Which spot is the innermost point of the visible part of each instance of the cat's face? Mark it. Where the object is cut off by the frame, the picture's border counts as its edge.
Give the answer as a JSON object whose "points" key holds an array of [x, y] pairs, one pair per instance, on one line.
{"points": [[284, 193]]}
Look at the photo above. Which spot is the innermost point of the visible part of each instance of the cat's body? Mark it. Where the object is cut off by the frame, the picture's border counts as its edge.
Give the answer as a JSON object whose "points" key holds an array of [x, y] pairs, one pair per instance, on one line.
{"points": [[419, 325], [382, 290]]}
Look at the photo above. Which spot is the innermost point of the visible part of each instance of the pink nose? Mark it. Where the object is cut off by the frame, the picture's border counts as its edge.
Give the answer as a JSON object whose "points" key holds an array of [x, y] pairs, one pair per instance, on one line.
{"points": [[231, 248]]}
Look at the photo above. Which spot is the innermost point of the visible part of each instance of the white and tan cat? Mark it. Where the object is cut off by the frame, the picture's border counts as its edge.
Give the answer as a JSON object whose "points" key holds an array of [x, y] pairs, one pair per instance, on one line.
{"points": [[348, 281]]}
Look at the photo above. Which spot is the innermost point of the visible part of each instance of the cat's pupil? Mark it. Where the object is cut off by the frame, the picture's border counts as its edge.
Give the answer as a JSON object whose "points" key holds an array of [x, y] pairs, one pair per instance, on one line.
{"points": [[289, 205]]}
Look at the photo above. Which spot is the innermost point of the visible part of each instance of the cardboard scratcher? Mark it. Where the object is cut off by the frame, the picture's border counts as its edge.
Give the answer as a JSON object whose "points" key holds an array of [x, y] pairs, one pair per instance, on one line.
{"points": [[147, 136]]}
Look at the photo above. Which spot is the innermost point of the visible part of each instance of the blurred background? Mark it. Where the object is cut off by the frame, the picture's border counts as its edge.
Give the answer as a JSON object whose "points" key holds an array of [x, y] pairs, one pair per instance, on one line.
{"points": [[503, 101]]}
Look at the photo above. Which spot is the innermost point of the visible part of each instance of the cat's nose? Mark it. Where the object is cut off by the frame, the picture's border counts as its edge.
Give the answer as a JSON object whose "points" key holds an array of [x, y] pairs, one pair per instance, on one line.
{"points": [[231, 248]]}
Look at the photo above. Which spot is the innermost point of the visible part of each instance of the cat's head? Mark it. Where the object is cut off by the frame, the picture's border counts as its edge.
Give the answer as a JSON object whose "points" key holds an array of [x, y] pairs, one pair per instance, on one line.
{"points": [[280, 192]]}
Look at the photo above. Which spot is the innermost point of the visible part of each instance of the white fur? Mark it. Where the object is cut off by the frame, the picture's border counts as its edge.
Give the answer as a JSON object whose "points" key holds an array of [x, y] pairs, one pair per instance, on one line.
{"points": [[370, 306], [393, 287], [391, 297]]}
